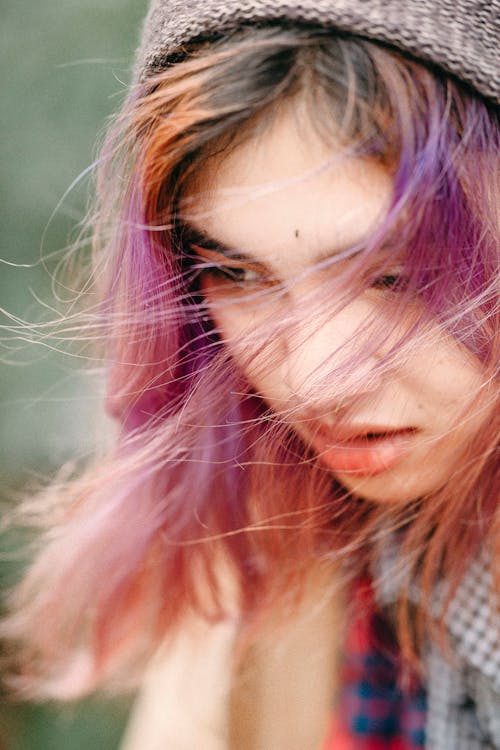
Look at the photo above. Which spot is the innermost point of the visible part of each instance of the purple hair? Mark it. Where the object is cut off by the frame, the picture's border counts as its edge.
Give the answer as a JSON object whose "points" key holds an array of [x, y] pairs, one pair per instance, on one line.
{"points": [[209, 501]]}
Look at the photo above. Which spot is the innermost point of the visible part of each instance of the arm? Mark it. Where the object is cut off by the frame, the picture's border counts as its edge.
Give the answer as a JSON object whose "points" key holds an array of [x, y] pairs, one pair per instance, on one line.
{"points": [[183, 703]]}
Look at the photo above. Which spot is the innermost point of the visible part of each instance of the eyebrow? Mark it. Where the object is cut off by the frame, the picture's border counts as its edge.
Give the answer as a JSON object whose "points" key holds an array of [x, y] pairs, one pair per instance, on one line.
{"points": [[200, 237]]}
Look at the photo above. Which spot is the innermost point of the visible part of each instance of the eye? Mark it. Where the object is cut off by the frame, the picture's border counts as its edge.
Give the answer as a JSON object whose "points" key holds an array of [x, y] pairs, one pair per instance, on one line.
{"points": [[238, 275], [394, 282]]}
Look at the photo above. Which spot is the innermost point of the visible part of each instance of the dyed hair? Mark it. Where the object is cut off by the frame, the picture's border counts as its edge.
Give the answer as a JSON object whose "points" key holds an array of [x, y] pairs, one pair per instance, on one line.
{"points": [[209, 503]]}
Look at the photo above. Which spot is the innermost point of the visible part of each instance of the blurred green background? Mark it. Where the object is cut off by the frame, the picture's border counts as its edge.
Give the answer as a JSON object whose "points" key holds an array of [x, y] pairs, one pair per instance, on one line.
{"points": [[65, 66]]}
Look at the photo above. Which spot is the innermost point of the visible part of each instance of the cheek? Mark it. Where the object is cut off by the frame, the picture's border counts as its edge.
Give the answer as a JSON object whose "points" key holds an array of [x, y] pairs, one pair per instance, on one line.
{"points": [[238, 328], [446, 380], [260, 356]]}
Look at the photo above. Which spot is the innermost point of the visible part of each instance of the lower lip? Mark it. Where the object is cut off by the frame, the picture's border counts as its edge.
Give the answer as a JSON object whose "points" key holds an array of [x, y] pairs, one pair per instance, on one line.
{"points": [[364, 457]]}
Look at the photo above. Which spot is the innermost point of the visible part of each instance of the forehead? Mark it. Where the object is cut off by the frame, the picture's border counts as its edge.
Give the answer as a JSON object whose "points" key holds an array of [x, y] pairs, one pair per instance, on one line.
{"points": [[284, 194]]}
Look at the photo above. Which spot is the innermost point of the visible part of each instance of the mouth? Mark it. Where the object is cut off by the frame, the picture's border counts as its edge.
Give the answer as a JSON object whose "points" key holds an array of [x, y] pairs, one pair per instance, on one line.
{"points": [[362, 450]]}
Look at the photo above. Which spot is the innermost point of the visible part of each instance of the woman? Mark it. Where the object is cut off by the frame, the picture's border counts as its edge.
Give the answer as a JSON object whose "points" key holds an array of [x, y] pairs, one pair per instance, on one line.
{"points": [[296, 252]]}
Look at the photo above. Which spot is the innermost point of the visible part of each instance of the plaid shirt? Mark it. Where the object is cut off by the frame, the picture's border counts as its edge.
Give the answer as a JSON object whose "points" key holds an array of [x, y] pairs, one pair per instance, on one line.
{"points": [[374, 712], [464, 697], [460, 707], [463, 693]]}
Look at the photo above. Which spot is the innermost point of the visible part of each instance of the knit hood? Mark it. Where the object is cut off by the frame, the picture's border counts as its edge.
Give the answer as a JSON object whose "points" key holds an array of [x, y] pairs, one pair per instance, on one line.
{"points": [[460, 36]]}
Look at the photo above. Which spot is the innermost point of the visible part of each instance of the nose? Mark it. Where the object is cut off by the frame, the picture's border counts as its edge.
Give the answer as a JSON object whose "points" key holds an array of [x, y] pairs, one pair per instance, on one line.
{"points": [[330, 357]]}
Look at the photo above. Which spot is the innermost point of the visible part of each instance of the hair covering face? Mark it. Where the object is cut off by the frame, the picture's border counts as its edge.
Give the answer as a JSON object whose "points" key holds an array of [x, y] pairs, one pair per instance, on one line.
{"points": [[460, 36]]}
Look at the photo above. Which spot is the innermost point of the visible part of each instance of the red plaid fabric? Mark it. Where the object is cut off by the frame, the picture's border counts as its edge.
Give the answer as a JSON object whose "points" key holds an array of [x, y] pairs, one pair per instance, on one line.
{"points": [[374, 712]]}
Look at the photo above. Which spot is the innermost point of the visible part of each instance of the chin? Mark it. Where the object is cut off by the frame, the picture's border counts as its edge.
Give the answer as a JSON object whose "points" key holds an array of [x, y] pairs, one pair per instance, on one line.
{"points": [[384, 488]]}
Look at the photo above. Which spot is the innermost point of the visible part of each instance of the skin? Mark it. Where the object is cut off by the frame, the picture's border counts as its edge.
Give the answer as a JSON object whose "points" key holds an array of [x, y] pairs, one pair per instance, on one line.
{"points": [[287, 200]]}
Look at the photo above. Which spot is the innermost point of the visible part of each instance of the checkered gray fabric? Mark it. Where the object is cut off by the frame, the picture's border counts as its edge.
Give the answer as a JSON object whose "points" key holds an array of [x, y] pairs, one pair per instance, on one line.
{"points": [[464, 690]]}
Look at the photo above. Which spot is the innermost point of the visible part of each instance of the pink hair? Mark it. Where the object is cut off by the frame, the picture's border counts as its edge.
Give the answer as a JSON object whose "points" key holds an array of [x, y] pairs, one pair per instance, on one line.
{"points": [[204, 477]]}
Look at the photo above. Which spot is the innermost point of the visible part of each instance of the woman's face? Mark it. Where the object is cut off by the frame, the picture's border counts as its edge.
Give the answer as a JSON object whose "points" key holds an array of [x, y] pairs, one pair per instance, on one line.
{"points": [[267, 213]]}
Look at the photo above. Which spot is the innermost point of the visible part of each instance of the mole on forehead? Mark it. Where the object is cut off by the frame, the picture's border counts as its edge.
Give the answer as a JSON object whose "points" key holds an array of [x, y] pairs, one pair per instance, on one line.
{"points": [[196, 236]]}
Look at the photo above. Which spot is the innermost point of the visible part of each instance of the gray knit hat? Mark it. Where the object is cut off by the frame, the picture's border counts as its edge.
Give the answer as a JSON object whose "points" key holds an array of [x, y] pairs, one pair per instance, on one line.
{"points": [[461, 36]]}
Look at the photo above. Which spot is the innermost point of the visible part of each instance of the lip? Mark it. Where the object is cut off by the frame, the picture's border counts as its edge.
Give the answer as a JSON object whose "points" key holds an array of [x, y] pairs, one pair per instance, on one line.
{"points": [[362, 450]]}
